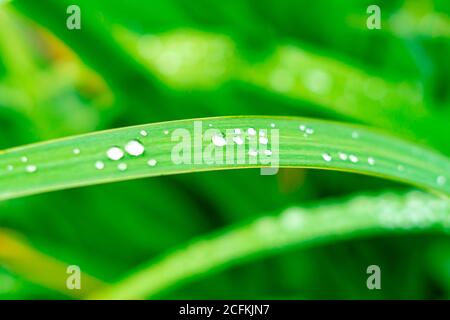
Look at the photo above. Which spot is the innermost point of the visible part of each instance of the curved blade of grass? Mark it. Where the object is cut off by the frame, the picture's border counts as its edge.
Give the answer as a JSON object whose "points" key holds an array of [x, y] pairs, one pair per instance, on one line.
{"points": [[56, 165], [359, 217]]}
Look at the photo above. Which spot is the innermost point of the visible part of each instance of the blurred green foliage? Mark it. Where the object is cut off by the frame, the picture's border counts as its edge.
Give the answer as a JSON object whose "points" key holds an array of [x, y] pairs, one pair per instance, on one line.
{"points": [[147, 61]]}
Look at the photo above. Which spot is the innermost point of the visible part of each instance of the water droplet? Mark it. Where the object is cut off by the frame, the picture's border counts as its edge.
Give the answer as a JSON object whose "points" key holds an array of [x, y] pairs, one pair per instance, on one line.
{"points": [[353, 158], [371, 161], [237, 131], [400, 168], [441, 180], [343, 156], [210, 125], [24, 159], [115, 153], [327, 157], [268, 152], [238, 140], [10, 168], [263, 140], [143, 133], [166, 131], [355, 135], [134, 148], [31, 168], [151, 162], [76, 151], [272, 125], [251, 131], [262, 133], [122, 166], [218, 140], [252, 152], [309, 131], [302, 127], [99, 165]]}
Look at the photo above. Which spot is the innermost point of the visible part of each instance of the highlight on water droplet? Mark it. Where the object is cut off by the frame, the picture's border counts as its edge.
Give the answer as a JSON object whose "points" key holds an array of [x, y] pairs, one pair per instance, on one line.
{"points": [[122, 166], [166, 131], [272, 125], [343, 156], [143, 133], [302, 127], [327, 157], [309, 130], [218, 140], [353, 158], [115, 153], [31, 168], [441, 180], [263, 140], [237, 131], [251, 131], [355, 135], [76, 151], [371, 161], [134, 148], [152, 162], [99, 165], [268, 152], [252, 152], [238, 140], [24, 159]]}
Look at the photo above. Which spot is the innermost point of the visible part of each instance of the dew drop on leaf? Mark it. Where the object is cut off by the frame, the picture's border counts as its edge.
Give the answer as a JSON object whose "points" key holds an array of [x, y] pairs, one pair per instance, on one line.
{"points": [[134, 148], [115, 153]]}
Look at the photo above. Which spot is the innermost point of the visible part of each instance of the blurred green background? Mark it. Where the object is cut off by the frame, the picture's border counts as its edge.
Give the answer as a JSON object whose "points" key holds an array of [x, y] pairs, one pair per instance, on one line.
{"points": [[137, 62]]}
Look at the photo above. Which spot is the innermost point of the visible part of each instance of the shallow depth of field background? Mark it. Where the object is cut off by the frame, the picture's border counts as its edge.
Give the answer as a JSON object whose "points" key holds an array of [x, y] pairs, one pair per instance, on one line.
{"points": [[136, 62]]}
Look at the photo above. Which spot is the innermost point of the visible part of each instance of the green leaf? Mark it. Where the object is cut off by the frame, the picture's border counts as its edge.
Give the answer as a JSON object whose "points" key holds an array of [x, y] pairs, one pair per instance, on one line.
{"points": [[359, 217], [294, 142]]}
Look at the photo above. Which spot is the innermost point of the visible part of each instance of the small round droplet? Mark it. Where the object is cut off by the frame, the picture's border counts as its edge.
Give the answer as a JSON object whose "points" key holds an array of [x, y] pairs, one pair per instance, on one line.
{"points": [[268, 152], [218, 140], [252, 152], [24, 159], [122, 166], [343, 156], [166, 131], [251, 131], [441, 180], [76, 151], [210, 125], [272, 125], [151, 162], [99, 165], [134, 148], [371, 161], [115, 153], [238, 140], [302, 127], [327, 157], [309, 130], [143, 133], [353, 158], [263, 140], [31, 168], [237, 131]]}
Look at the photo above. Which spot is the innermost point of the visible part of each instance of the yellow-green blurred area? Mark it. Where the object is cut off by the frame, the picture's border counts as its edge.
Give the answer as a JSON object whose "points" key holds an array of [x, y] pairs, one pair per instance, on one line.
{"points": [[138, 62]]}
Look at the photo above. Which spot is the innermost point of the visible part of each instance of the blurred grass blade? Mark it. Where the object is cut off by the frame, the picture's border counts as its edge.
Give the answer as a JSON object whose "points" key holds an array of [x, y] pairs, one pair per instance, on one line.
{"points": [[18, 256], [360, 216], [292, 142]]}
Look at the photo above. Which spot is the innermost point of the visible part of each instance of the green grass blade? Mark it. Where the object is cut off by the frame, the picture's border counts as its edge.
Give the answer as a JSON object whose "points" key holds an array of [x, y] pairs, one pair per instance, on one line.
{"points": [[358, 217], [54, 165]]}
